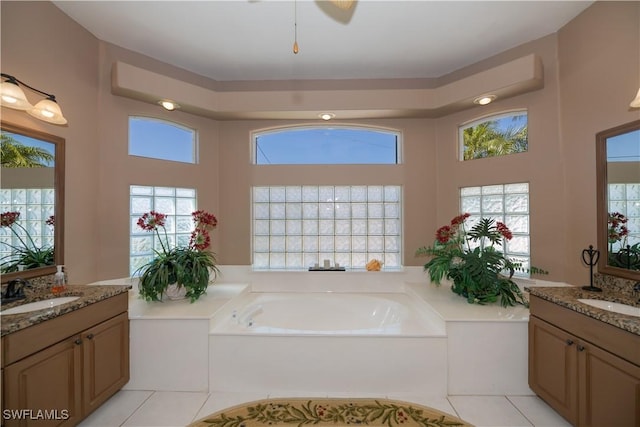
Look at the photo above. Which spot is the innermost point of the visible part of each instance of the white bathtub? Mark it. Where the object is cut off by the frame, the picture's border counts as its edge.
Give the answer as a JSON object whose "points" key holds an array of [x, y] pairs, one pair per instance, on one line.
{"points": [[328, 313], [328, 343]]}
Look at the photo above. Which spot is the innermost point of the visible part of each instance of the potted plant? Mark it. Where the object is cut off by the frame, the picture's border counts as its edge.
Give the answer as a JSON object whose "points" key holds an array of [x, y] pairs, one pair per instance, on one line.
{"points": [[179, 271], [472, 260], [28, 254]]}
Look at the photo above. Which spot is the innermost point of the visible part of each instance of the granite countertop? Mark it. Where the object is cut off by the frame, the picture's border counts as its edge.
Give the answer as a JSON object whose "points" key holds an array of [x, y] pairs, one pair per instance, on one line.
{"points": [[568, 297], [89, 294]]}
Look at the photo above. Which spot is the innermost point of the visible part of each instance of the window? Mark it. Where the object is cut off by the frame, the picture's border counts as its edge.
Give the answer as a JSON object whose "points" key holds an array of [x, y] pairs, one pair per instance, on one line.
{"points": [[176, 203], [326, 145], [159, 139], [497, 135], [508, 203], [295, 227]]}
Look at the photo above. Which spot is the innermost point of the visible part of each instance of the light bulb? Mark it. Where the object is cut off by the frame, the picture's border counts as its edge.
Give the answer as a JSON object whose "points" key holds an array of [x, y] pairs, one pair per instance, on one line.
{"points": [[295, 47], [484, 100], [169, 105]]}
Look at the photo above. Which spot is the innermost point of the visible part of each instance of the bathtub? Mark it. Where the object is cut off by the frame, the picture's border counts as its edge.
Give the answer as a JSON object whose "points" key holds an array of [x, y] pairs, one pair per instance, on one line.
{"points": [[328, 343], [328, 313]]}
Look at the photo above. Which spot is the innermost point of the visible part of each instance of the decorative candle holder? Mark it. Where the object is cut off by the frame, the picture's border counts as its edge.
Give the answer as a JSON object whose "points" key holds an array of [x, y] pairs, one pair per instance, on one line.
{"points": [[590, 257]]}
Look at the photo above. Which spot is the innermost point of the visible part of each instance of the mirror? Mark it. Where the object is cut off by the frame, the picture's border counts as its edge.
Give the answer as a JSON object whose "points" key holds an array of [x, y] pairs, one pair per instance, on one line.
{"points": [[618, 193], [32, 183]]}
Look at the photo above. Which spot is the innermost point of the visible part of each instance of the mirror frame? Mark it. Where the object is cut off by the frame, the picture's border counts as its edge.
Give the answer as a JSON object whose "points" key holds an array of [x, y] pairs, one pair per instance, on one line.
{"points": [[602, 205], [58, 237]]}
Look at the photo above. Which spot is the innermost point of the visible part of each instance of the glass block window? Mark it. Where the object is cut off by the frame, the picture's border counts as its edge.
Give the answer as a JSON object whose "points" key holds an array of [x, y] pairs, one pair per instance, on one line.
{"points": [[176, 203], [36, 206], [507, 203], [625, 199], [326, 145], [497, 135], [296, 227], [160, 139]]}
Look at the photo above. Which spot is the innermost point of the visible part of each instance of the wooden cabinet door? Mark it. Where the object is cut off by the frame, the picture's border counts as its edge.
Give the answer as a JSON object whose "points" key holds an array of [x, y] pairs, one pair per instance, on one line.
{"points": [[106, 360], [609, 389], [553, 367], [43, 390]]}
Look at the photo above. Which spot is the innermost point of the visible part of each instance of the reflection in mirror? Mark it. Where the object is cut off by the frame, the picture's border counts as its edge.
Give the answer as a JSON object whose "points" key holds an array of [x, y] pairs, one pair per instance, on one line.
{"points": [[618, 157], [31, 202]]}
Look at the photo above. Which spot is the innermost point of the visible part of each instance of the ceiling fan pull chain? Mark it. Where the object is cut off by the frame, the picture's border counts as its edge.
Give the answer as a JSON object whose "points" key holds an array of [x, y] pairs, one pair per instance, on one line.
{"points": [[295, 27]]}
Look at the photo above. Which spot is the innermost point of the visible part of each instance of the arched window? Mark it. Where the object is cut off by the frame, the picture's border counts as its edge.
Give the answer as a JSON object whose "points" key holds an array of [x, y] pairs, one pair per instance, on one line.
{"points": [[160, 139], [326, 145], [497, 135]]}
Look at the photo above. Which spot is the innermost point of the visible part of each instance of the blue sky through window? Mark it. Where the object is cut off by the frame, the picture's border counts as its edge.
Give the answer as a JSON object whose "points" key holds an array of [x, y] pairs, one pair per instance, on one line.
{"points": [[624, 148], [159, 139], [327, 145]]}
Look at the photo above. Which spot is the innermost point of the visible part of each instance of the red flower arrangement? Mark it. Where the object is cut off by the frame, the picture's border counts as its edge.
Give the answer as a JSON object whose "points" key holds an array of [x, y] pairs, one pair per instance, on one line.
{"points": [[617, 227], [188, 267], [473, 260]]}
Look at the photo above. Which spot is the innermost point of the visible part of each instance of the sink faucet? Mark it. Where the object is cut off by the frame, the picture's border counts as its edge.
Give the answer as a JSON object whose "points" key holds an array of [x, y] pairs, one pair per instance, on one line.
{"points": [[15, 289]]}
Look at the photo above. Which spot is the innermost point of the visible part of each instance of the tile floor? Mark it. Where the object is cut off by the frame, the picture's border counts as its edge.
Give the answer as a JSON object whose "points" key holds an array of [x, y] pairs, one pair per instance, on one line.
{"points": [[130, 408]]}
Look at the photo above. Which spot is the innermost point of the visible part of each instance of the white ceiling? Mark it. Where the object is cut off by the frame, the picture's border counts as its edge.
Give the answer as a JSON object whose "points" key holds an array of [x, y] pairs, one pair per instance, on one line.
{"points": [[252, 39]]}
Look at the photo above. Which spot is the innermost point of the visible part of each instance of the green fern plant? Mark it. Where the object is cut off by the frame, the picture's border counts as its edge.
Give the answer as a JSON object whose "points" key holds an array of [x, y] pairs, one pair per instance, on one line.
{"points": [[471, 260], [190, 267]]}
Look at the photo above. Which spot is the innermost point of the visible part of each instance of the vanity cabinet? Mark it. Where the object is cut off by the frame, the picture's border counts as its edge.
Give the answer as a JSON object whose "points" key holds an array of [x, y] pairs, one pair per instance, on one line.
{"points": [[588, 371], [85, 365]]}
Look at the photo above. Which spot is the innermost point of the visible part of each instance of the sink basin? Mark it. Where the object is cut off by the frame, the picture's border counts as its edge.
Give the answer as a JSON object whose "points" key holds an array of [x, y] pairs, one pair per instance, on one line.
{"points": [[612, 306], [38, 305]]}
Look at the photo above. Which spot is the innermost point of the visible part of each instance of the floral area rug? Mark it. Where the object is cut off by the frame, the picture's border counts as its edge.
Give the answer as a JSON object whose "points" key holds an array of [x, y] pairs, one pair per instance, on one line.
{"points": [[329, 412]]}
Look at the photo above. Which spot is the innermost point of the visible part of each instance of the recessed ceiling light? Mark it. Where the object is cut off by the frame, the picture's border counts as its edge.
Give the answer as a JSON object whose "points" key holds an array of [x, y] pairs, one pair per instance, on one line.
{"points": [[169, 105], [484, 100], [326, 116]]}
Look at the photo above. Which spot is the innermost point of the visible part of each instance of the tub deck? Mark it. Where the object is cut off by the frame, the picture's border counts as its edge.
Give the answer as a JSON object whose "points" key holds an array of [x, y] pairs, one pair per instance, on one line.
{"points": [[496, 337]]}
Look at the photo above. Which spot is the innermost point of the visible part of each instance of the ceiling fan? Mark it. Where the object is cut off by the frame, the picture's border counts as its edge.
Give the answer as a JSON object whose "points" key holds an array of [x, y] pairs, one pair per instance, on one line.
{"points": [[338, 10], [343, 4]]}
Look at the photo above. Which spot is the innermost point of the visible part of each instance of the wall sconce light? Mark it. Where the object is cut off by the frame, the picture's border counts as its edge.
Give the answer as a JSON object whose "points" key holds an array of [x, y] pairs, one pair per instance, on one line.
{"points": [[636, 101], [484, 100], [12, 96]]}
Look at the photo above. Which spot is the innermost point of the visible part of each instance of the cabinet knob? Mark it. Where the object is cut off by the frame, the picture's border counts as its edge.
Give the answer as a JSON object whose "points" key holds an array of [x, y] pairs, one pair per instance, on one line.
{"points": [[90, 336], [78, 341], [580, 348], [569, 342]]}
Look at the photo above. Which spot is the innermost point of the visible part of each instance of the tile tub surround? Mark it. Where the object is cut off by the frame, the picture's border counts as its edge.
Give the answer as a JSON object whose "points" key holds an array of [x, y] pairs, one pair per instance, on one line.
{"points": [[88, 295], [568, 297]]}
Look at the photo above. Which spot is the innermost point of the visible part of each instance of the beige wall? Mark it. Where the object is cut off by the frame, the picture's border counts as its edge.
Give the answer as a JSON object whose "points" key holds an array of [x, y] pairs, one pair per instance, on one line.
{"points": [[27, 177], [43, 47], [590, 55], [599, 55]]}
